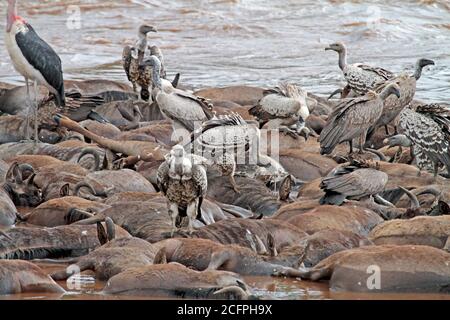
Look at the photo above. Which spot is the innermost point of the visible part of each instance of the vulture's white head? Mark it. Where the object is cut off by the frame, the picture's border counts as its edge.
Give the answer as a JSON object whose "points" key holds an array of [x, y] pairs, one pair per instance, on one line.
{"points": [[180, 165]]}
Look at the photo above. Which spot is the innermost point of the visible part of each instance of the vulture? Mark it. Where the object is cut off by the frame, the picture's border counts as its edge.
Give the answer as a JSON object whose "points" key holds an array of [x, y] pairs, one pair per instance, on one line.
{"points": [[184, 183], [184, 109], [423, 162], [393, 106], [360, 77], [156, 51], [355, 181], [428, 129], [352, 118], [132, 58], [282, 108], [225, 139]]}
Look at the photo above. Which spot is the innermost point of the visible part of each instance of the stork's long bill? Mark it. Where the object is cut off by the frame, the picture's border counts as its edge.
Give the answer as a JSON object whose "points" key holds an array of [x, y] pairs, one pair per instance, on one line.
{"points": [[12, 15]]}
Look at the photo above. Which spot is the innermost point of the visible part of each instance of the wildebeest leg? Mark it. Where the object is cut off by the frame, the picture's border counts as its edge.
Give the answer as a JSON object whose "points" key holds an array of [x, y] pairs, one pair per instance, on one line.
{"points": [[218, 259], [362, 141], [436, 169], [83, 265], [272, 246], [350, 143], [191, 213], [173, 213], [315, 274], [286, 272]]}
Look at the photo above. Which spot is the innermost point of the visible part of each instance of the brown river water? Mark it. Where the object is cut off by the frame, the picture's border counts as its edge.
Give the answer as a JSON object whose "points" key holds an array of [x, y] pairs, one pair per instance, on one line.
{"points": [[258, 42], [255, 42]]}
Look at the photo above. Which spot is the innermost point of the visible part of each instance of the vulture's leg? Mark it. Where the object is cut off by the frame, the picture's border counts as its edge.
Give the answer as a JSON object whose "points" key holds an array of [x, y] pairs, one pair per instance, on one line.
{"points": [[386, 129], [173, 213], [351, 146], [36, 106], [362, 141], [27, 129], [135, 87], [436, 169], [395, 130], [191, 212], [411, 153]]}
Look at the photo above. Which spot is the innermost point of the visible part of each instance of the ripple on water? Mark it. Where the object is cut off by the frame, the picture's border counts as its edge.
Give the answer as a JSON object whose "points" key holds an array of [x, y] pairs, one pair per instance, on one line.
{"points": [[277, 39]]}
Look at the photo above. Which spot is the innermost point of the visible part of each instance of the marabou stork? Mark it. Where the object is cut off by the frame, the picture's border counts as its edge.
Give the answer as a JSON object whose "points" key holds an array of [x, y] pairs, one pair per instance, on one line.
{"points": [[34, 59]]}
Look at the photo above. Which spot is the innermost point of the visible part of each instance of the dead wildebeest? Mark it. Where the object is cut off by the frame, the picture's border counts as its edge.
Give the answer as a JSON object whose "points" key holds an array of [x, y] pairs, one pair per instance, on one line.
{"points": [[28, 243], [177, 281], [385, 268], [18, 191], [254, 194], [345, 218], [23, 277], [13, 129], [114, 256], [147, 219], [128, 148], [106, 183], [251, 233], [318, 246], [204, 254], [430, 231], [52, 174], [54, 212]]}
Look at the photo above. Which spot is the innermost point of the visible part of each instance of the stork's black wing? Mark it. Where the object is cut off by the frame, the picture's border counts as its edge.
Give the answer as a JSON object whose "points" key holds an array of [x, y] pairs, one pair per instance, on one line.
{"points": [[43, 58]]}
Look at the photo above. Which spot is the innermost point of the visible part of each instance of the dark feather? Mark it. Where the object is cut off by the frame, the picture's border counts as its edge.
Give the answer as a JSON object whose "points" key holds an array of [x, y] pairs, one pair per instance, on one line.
{"points": [[43, 58]]}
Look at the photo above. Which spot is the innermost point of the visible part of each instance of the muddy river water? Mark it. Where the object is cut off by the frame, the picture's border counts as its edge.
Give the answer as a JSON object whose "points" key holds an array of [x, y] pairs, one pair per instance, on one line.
{"points": [[257, 42]]}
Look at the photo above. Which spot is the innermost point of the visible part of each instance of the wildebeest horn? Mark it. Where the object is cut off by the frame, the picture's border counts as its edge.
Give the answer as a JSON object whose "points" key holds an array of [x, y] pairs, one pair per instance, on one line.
{"points": [[272, 246], [110, 228], [383, 201], [285, 188], [176, 80], [65, 190], [335, 92], [428, 190], [415, 204], [378, 153], [92, 220], [74, 215], [261, 248], [94, 153], [30, 181], [237, 291], [101, 234], [14, 175], [84, 184]]}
